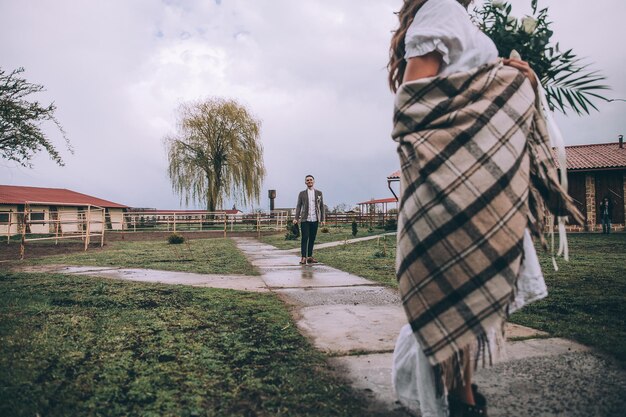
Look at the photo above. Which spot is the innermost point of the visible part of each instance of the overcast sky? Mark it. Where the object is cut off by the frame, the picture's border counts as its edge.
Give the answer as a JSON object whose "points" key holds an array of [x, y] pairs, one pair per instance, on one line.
{"points": [[312, 71]]}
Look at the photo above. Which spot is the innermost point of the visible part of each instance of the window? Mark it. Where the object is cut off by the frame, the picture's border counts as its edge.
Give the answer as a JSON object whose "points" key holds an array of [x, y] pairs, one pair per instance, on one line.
{"points": [[4, 217], [37, 216]]}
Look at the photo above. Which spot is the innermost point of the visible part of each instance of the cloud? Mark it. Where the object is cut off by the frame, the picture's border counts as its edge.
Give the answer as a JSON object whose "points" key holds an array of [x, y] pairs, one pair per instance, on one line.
{"points": [[313, 72]]}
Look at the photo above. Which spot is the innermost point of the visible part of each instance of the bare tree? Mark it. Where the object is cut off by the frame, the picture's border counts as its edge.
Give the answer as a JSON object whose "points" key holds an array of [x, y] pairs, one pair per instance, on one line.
{"points": [[20, 133], [216, 153]]}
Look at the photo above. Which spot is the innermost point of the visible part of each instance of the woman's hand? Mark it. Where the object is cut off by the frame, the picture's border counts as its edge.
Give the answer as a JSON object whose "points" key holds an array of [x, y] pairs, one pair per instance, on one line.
{"points": [[523, 67]]}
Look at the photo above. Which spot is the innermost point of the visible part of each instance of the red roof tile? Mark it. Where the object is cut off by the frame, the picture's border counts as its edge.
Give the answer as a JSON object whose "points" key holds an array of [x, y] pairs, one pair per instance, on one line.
{"points": [[381, 200], [13, 194], [582, 157], [395, 175], [595, 156]]}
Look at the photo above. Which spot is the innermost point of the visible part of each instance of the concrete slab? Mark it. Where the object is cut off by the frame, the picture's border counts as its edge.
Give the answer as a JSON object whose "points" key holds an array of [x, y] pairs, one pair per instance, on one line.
{"points": [[542, 347], [340, 329], [371, 375], [234, 282], [373, 296], [572, 385], [536, 386], [516, 331], [311, 277], [275, 261], [343, 242]]}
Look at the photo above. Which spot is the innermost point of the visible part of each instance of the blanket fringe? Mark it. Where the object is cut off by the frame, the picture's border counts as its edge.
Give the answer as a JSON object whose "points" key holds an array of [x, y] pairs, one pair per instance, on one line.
{"points": [[484, 351], [547, 187]]}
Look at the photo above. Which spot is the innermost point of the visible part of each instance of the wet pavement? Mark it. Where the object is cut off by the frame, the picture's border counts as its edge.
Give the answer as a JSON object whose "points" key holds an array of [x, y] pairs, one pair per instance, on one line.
{"points": [[356, 322], [233, 282]]}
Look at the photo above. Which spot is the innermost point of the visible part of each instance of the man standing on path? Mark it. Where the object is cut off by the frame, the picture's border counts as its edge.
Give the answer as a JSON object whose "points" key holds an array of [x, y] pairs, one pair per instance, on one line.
{"points": [[310, 208]]}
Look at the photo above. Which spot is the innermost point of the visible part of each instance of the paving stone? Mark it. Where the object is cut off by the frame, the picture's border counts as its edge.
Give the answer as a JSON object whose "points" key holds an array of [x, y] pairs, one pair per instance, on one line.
{"points": [[349, 328], [311, 277], [372, 296], [234, 282]]}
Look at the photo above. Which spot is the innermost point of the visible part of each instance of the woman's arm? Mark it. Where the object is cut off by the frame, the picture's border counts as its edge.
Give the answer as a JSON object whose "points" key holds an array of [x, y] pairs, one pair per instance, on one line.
{"points": [[422, 66]]}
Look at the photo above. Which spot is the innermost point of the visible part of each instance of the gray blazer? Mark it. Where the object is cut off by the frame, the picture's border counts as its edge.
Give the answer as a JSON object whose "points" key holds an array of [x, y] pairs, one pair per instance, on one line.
{"points": [[303, 206]]}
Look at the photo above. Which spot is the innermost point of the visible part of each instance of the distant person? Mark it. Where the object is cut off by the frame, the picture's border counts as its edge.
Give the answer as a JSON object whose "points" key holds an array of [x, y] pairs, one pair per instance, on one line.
{"points": [[606, 212], [310, 209]]}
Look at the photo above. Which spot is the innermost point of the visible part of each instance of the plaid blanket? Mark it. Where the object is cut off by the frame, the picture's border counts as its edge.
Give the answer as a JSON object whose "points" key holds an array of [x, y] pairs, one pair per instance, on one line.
{"points": [[476, 170]]}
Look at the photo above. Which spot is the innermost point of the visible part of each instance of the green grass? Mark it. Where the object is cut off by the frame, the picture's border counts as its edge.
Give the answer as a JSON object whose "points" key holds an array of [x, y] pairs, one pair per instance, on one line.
{"points": [[335, 233], [207, 256], [587, 296], [365, 259], [81, 346]]}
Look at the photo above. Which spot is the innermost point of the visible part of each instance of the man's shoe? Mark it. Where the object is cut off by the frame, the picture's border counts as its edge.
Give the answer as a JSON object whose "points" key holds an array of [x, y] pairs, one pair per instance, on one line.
{"points": [[311, 260]]}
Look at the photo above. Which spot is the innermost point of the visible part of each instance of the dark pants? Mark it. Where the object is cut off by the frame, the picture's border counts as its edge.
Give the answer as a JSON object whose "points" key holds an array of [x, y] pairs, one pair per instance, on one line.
{"points": [[606, 224], [309, 232]]}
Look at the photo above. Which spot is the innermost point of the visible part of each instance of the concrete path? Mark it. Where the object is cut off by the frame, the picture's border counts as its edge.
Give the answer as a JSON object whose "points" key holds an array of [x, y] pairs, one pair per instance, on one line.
{"points": [[233, 282], [341, 242], [356, 322]]}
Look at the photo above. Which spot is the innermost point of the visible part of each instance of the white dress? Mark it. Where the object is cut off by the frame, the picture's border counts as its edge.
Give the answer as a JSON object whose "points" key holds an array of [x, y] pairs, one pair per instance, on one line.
{"points": [[444, 26]]}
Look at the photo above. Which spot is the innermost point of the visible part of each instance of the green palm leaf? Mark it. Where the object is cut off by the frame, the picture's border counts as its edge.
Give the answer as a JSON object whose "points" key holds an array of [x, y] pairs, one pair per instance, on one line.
{"points": [[569, 85]]}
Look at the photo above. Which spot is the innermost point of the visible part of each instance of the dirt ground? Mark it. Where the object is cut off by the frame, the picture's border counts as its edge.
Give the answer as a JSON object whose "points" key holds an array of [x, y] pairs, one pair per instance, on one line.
{"points": [[11, 251]]}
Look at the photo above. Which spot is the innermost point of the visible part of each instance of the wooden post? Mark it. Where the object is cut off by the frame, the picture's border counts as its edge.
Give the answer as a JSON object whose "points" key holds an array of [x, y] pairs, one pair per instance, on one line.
{"points": [[87, 230], [103, 227], [9, 229], [174, 222], [225, 223], [258, 225], [56, 229], [23, 241]]}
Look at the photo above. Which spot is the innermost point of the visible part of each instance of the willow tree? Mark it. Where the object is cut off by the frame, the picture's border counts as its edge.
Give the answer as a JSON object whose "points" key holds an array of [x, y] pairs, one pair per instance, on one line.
{"points": [[216, 153]]}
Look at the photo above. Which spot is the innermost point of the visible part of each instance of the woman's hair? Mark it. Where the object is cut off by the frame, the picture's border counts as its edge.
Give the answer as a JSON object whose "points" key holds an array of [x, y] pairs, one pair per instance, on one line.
{"points": [[397, 63]]}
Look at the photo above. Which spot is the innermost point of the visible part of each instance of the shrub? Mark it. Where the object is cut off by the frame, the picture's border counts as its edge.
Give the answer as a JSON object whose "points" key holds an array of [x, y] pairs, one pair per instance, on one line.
{"points": [[325, 230], [355, 230], [175, 239], [391, 224]]}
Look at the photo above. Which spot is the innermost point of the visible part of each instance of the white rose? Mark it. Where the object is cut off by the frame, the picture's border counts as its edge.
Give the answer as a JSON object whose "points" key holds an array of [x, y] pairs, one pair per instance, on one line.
{"points": [[529, 24], [498, 4]]}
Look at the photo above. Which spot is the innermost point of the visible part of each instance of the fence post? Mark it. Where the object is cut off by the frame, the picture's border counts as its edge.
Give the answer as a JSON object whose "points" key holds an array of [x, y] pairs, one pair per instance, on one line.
{"points": [[87, 230], [9, 227], [23, 241], [225, 223], [57, 223], [103, 226], [174, 222]]}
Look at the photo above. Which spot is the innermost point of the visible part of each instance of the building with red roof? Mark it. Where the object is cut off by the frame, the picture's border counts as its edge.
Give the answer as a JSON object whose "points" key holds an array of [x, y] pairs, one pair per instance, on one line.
{"points": [[49, 209], [594, 171]]}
